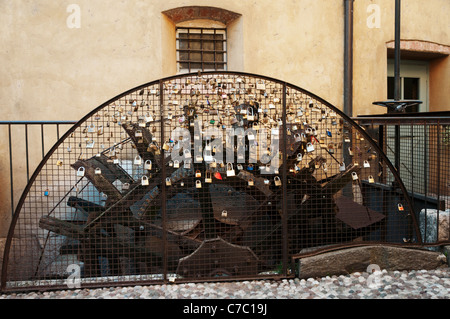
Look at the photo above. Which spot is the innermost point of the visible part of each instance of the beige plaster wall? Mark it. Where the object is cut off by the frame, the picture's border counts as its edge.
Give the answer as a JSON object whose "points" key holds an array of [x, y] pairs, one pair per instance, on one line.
{"points": [[49, 71], [439, 84], [420, 20]]}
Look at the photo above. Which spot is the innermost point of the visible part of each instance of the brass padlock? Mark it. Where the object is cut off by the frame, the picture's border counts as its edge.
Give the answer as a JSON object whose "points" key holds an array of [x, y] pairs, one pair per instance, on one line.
{"points": [[208, 177], [277, 181], [250, 114], [350, 151]]}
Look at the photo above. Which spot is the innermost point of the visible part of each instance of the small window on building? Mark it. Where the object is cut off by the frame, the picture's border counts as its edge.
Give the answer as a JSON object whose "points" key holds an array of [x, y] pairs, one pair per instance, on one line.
{"points": [[202, 49]]}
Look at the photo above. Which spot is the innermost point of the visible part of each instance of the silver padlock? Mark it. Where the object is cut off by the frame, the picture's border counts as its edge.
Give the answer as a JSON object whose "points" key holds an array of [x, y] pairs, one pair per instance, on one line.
{"points": [[137, 160], [144, 180], [148, 165], [230, 170], [208, 156], [80, 171]]}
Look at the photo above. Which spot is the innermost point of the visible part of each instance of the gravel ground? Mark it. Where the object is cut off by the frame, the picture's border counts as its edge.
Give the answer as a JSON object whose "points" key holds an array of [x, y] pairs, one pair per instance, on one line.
{"points": [[416, 284]]}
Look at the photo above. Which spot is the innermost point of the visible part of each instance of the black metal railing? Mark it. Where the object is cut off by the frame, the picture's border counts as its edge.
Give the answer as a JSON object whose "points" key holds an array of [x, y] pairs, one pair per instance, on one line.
{"points": [[22, 159], [423, 159]]}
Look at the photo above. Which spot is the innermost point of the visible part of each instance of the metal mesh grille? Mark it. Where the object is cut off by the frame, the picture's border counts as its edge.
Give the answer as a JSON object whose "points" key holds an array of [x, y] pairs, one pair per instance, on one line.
{"points": [[422, 157], [202, 177]]}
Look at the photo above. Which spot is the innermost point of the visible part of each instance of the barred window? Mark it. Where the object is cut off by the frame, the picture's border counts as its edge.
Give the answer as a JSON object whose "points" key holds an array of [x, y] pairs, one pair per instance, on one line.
{"points": [[202, 49]]}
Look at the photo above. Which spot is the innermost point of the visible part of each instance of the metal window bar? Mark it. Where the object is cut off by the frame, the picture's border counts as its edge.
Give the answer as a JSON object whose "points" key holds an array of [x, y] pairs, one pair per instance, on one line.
{"points": [[185, 39]]}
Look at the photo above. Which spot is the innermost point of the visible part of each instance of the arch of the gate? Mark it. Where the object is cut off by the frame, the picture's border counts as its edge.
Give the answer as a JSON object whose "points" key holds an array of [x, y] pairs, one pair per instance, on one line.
{"points": [[201, 176]]}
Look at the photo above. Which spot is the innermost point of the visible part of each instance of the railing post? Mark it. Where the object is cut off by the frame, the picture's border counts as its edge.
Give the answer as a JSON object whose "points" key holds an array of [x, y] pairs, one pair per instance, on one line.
{"points": [[11, 170], [284, 181], [163, 185]]}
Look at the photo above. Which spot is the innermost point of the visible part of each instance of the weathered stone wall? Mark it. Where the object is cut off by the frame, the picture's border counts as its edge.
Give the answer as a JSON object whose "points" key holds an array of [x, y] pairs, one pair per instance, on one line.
{"points": [[358, 259]]}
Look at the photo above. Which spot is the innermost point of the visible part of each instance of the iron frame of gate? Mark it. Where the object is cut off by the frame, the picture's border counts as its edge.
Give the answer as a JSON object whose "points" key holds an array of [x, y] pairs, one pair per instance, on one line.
{"points": [[285, 256]]}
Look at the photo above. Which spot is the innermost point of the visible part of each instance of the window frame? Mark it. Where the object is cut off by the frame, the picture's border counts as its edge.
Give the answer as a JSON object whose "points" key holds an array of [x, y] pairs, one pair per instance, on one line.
{"points": [[413, 69], [201, 31]]}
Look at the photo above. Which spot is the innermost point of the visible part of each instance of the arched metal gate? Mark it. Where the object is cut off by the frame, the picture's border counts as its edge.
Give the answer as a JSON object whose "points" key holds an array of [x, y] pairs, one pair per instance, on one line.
{"points": [[205, 176]]}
